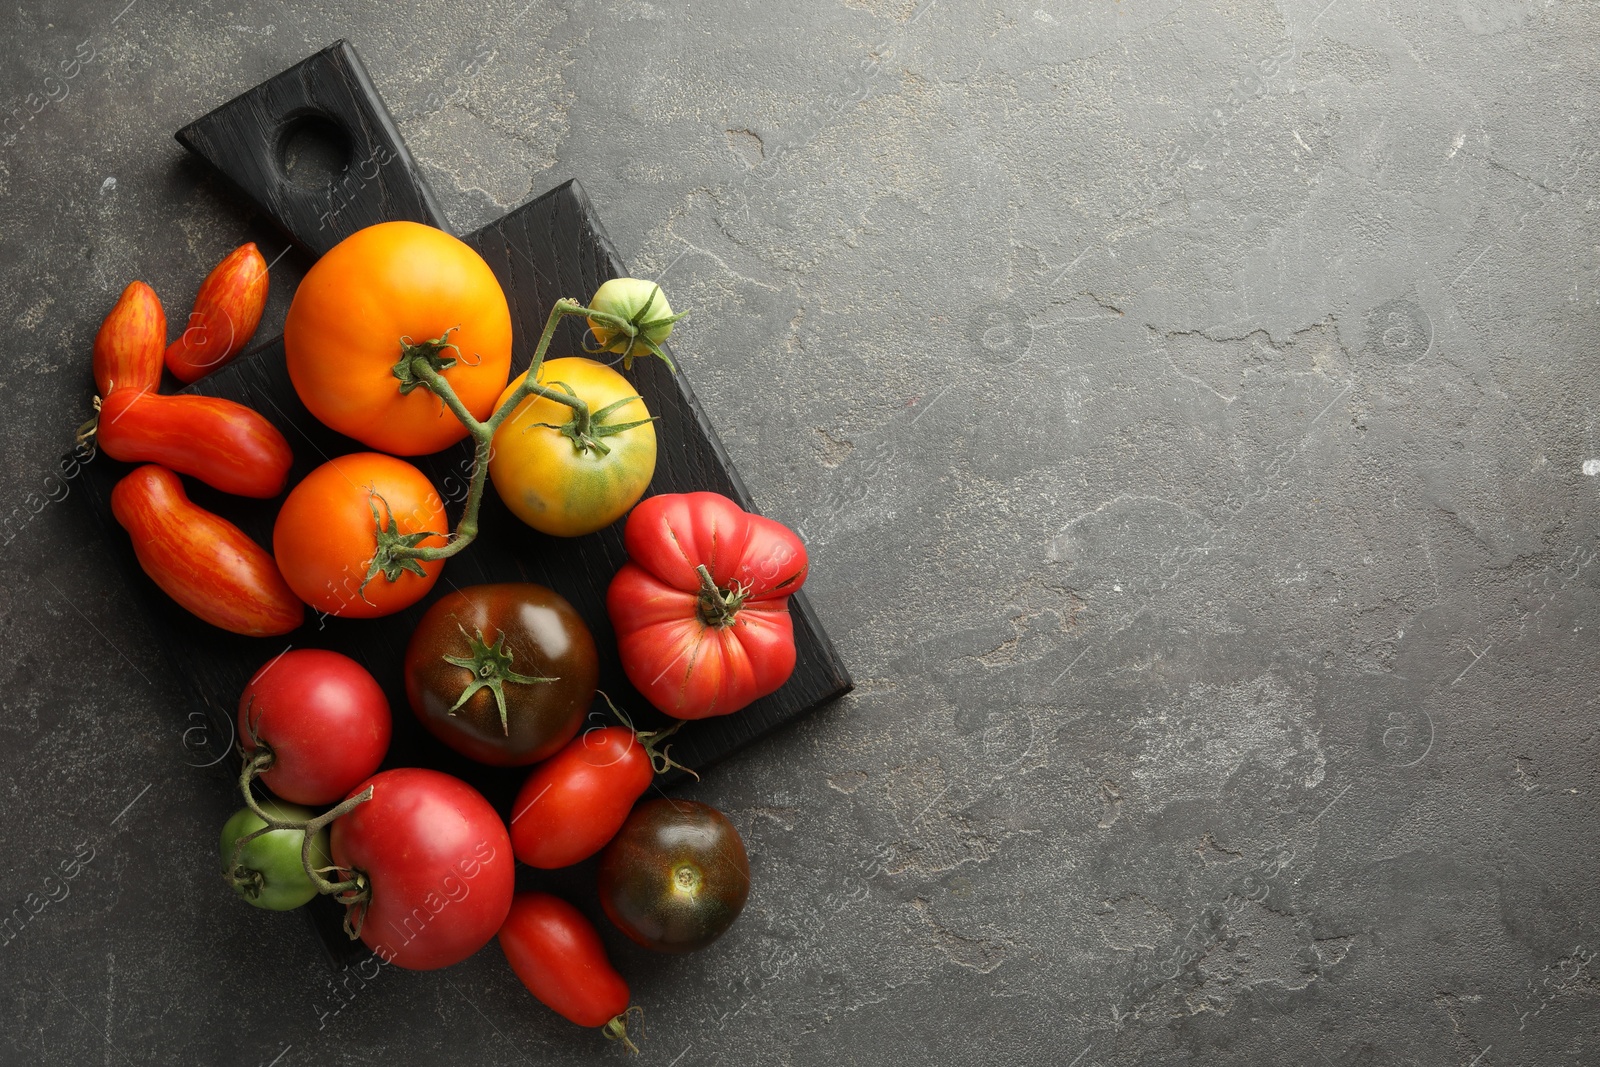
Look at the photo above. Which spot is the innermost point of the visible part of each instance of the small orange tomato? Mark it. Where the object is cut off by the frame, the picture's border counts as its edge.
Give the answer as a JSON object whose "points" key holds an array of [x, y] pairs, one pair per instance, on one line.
{"points": [[328, 533], [378, 293]]}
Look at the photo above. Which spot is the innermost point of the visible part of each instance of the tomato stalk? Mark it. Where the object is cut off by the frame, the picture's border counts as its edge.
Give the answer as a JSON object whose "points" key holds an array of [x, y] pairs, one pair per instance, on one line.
{"points": [[422, 364], [661, 760], [353, 889], [86, 431], [617, 1029], [718, 606]]}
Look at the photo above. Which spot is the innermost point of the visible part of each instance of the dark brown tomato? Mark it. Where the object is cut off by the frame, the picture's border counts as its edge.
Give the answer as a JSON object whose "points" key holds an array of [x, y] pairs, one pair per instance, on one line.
{"points": [[675, 876], [503, 674]]}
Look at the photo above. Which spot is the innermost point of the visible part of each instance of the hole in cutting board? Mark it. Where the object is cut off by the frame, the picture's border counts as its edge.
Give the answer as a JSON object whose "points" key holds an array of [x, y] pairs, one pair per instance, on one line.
{"points": [[313, 152]]}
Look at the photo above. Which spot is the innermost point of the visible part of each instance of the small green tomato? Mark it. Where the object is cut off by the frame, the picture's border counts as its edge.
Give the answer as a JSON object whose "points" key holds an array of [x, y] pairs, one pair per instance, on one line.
{"points": [[640, 302], [269, 874]]}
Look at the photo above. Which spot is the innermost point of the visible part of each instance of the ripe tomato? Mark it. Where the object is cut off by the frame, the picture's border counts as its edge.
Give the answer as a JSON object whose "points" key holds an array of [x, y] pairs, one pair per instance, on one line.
{"points": [[377, 291], [227, 311], [226, 445], [324, 719], [127, 349], [575, 802], [269, 873], [675, 876], [502, 673], [551, 482], [201, 560], [558, 955], [702, 608], [438, 864], [327, 541]]}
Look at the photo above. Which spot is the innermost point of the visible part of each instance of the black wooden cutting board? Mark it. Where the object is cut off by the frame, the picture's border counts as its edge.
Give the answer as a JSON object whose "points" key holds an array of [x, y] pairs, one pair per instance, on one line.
{"points": [[550, 247]]}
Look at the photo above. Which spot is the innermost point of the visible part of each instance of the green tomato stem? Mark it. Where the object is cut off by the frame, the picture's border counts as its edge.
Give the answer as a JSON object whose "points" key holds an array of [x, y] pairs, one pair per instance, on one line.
{"points": [[661, 760], [357, 882], [260, 760], [490, 667], [617, 1030], [420, 369], [717, 606]]}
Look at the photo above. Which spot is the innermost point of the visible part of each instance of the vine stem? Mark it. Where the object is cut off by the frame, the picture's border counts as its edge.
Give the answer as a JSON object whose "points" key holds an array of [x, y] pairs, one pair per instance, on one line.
{"points": [[661, 760], [482, 432], [259, 761]]}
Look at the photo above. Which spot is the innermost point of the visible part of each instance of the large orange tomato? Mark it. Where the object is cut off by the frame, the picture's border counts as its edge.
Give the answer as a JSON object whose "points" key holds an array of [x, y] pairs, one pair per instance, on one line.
{"points": [[327, 533], [380, 290]]}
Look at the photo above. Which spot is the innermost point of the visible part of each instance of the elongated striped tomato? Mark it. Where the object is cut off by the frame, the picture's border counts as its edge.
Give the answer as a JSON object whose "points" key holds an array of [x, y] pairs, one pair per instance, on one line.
{"points": [[558, 955], [226, 445], [201, 560], [394, 289], [576, 801], [127, 348], [226, 312]]}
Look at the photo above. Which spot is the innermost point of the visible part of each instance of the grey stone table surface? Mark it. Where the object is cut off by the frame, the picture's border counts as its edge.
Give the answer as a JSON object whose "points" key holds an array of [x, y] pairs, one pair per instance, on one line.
{"points": [[1191, 412]]}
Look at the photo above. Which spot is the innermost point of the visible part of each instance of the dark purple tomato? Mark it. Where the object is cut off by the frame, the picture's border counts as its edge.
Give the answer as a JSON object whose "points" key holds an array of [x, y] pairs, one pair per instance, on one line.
{"points": [[675, 876], [503, 674]]}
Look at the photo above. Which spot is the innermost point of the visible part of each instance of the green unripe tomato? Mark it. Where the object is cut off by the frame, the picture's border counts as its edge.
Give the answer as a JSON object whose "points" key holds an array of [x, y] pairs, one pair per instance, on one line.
{"points": [[269, 874], [640, 302]]}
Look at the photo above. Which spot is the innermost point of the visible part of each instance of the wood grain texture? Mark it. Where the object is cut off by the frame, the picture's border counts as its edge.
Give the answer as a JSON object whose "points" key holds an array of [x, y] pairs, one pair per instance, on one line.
{"points": [[551, 247], [244, 139]]}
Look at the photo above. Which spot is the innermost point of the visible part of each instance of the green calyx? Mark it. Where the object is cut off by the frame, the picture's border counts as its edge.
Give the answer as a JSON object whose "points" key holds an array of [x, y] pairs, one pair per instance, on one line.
{"points": [[631, 317], [491, 669], [432, 353], [661, 760], [388, 559], [718, 606], [587, 430]]}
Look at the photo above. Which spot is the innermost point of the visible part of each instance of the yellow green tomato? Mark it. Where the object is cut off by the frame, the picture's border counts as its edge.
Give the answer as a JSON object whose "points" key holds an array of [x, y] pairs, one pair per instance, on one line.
{"points": [[565, 479], [269, 873]]}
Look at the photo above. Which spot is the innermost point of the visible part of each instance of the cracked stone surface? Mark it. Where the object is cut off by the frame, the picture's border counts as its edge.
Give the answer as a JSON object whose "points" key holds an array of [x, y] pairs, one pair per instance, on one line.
{"points": [[1191, 410]]}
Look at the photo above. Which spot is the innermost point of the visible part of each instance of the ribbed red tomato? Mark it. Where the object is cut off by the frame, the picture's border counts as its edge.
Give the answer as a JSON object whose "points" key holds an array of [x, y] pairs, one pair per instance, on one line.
{"points": [[701, 609], [438, 865]]}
